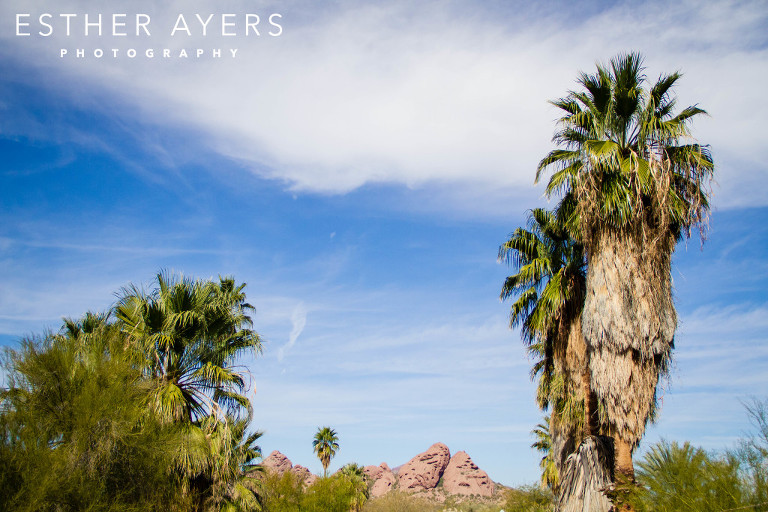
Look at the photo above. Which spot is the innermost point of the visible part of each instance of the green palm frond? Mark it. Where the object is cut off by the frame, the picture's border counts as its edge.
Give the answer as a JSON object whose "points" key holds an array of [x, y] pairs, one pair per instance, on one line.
{"points": [[620, 149]]}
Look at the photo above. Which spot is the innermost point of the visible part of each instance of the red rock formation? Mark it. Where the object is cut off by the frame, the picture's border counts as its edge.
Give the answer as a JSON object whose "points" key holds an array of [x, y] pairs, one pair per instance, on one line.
{"points": [[382, 477], [277, 462], [424, 471], [462, 476]]}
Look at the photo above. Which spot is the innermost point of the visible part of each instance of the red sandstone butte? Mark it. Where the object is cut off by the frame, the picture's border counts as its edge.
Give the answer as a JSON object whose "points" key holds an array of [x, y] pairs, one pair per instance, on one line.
{"points": [[382, 477], [305, 474], [423, 472], [277, 462], [462, 476]]}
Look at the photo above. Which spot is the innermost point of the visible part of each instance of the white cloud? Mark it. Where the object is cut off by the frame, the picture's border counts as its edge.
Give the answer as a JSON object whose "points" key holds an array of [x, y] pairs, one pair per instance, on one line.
{"points": [[394, 93], [298, 321]]}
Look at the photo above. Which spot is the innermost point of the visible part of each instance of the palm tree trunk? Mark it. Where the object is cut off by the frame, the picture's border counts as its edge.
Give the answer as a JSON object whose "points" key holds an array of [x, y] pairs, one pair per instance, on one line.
{"points": [[588, 473], [624, 465]]}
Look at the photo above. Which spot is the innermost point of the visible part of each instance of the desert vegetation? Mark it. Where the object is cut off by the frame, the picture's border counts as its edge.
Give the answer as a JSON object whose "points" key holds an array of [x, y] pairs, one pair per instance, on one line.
{"points": [[139, 408]]}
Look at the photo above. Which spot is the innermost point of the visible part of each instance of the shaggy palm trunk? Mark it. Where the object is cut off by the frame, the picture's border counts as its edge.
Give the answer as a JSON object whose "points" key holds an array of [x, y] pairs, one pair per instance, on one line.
{"points": [[564, 437], [628, 324], [588, 473]]}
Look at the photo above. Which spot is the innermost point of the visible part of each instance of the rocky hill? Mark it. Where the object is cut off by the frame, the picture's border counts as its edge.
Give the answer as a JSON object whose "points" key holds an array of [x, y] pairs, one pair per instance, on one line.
{"points": [[434, 473]]}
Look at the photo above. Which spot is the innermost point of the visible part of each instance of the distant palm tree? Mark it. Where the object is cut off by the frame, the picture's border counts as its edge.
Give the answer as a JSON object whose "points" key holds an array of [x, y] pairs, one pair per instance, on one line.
{"points": [[325, 446], [639, 184]]}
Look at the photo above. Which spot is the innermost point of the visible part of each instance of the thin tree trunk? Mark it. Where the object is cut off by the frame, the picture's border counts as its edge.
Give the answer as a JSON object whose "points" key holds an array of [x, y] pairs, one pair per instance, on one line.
{"points": [[624, 465]]}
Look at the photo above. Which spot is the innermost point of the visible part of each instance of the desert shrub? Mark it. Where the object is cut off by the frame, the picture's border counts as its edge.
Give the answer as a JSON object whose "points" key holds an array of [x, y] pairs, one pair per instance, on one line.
{"points": [[74, 432], [678, 478], [752, 454], [280, 492], [528, 499], [473, 504], [400, 502], [331, 494]]}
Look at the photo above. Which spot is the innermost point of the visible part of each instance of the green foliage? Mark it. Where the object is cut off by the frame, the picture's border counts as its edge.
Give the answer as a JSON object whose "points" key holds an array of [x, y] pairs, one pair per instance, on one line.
{"points": [[676, 477], [335, 493], [280, 493], [286, 493], [357, 477], [75, 433], [528, 499], [543, 444], [145, 413], [752, 453]]}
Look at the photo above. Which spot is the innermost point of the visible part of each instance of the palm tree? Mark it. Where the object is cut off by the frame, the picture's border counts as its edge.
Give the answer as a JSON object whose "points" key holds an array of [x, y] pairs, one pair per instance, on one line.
{"points": [[325, 446], [190, 334], [359, 482], [549, 286], [639, 184], [231, 476]]}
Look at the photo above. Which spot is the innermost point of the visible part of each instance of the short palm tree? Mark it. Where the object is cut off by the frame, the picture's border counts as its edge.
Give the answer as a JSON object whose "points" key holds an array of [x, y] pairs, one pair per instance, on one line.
{"points": [[325, 445], [639, 184], [357, 478], [232, 484]]}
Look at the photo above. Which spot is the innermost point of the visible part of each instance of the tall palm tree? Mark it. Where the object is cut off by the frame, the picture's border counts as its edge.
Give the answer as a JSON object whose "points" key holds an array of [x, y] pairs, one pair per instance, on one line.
{"points": [[190, 333], [640, 184], [325, 446], [549, 286]]}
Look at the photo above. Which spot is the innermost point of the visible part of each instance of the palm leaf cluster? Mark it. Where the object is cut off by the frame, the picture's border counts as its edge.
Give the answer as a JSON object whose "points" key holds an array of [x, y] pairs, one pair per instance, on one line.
{"points": [[190, 333]]}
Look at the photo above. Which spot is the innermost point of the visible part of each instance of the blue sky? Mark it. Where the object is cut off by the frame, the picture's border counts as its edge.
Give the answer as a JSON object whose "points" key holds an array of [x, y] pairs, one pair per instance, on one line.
{"points": [[359, 172]]}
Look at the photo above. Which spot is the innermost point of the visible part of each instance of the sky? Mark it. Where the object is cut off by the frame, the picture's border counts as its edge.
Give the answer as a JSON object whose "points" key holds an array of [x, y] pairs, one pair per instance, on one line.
{"points": [[358, 170]]}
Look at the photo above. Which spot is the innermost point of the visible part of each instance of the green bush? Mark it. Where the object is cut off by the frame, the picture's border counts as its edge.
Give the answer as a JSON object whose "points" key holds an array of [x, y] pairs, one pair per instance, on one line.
{"points": [[280, 493], [74, 433], [679, 478], [528, 499], [331, 494]]}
